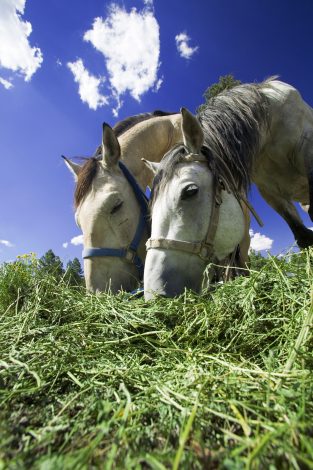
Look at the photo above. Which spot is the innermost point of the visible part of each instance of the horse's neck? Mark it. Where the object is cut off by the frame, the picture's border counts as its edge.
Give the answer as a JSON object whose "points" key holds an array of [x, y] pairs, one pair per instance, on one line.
{"points": [[149, 139]]}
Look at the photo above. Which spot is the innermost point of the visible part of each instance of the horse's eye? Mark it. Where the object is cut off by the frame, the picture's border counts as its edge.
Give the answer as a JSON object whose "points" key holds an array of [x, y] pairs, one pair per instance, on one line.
{"points": [[117, 207], [189, 191]]}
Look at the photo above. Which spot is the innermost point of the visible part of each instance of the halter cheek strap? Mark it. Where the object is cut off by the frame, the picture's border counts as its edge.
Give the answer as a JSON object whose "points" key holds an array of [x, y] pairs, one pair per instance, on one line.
{"points": [[128, 253]]}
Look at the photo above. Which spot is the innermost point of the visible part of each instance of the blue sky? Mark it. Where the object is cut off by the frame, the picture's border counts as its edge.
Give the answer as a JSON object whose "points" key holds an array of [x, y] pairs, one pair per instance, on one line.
{"points": [[181, 48]]}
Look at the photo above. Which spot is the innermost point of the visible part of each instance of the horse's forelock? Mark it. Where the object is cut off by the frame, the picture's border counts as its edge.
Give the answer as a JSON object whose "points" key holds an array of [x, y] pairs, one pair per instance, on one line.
{"points": [[85, 178], [167, 167]]}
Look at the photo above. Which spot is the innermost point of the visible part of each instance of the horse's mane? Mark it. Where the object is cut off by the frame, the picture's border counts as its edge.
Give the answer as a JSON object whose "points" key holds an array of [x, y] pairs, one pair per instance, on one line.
{"points": [[232, 123], [90, 167]]}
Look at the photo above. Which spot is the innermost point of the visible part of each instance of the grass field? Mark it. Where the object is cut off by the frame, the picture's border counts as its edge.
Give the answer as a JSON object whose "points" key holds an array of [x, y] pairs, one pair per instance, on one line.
{"points": [[222, 380]]}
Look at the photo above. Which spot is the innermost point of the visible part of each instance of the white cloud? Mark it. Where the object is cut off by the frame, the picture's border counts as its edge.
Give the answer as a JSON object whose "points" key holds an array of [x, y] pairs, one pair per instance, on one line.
{"points": [[6, 243], [88, 85], [16, 53], [130, 45], [158, 85], [260, 242], [7, 85], [78, 240], [183, 47]]}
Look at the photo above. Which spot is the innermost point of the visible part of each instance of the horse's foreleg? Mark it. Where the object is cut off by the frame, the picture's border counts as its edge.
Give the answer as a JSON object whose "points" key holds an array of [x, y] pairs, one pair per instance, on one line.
{"points": [[307, 152], [285, 208]]}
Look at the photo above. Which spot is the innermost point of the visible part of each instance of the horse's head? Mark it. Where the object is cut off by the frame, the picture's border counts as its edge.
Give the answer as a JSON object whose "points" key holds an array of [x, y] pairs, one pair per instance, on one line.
{"points": [[108, 212], [194, 219]]}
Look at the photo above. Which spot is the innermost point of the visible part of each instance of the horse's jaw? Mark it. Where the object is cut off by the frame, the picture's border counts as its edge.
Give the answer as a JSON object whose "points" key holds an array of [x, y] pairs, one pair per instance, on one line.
{"points": [[110, 275]]}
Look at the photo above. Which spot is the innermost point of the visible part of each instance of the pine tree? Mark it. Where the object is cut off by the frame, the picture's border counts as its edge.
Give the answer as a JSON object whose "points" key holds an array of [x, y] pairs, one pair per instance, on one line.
{"points": [[225, 83], [52, 264], [74, 273]]}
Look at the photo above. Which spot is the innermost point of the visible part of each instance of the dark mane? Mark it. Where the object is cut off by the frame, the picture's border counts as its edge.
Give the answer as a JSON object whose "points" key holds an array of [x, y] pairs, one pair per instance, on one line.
{"points": [[128, 123], [89, 169], [232, 123]]}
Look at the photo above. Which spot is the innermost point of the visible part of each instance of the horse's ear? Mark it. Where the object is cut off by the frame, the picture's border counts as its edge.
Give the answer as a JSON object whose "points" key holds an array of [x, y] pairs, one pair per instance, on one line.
{"points": [[73, 167], [153, 166], [111, 150], [192, 132]]}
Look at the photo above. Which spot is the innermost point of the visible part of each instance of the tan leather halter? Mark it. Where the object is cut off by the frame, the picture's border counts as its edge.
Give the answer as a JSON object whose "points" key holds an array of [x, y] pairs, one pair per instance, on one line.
{"points": [[205, 248]]}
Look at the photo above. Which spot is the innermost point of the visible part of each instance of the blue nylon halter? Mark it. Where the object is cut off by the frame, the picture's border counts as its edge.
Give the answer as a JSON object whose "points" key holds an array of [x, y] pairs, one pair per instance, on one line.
{"points": [[130, 252]]}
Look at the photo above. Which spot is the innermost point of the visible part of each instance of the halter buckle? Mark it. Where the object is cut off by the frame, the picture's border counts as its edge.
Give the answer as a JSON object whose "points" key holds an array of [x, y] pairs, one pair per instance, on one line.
{"points": [[130, 255]]}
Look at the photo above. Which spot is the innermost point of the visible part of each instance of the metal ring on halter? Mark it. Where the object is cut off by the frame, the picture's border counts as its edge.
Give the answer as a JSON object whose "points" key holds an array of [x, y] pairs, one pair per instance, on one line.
{"points": [[130, 255]]}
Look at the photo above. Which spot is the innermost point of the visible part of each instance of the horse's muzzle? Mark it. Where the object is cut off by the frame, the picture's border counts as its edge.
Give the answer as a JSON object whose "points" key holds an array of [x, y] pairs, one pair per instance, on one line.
{"points": [[169, 273]]}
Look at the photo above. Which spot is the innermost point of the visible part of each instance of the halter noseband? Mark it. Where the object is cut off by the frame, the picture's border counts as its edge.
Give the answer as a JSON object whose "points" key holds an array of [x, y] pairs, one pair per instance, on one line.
{"points": [[129, 253], [205, 248]]}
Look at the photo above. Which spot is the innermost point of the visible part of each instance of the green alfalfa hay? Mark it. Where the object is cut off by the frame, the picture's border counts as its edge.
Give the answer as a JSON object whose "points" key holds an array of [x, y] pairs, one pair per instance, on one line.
{"points": [[219, 380]]}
